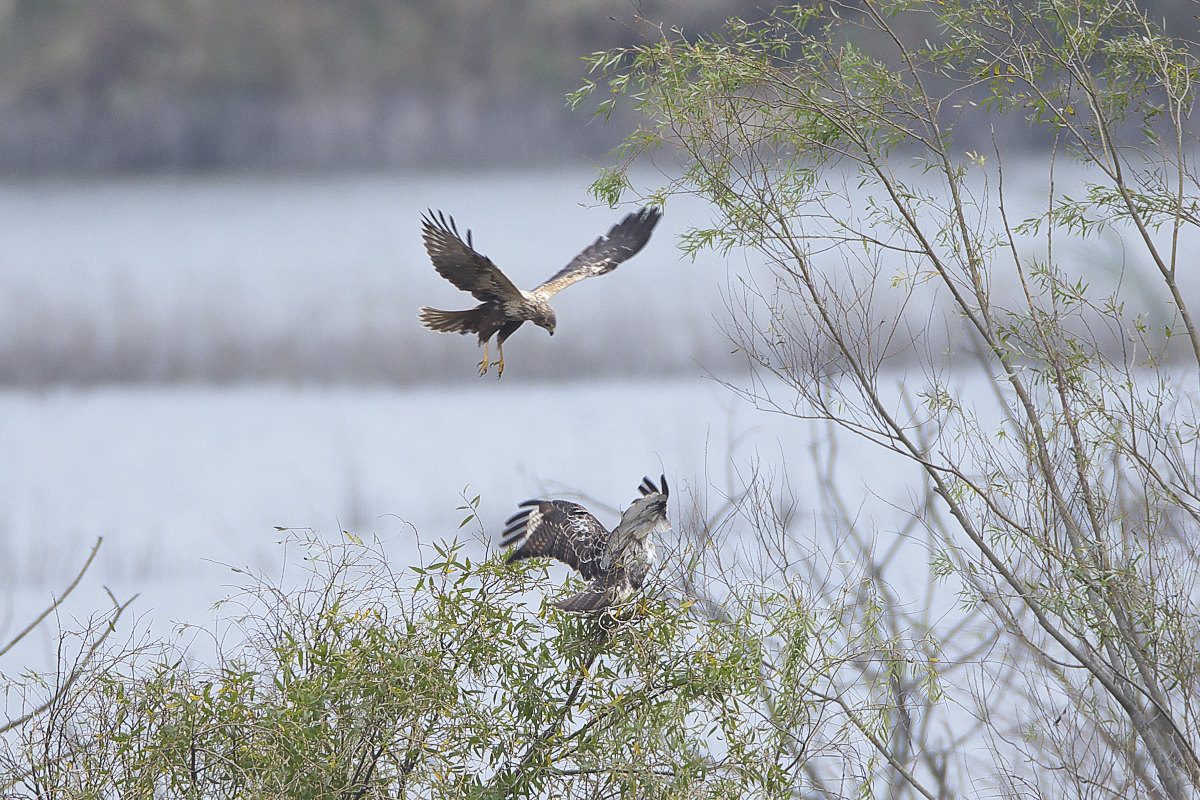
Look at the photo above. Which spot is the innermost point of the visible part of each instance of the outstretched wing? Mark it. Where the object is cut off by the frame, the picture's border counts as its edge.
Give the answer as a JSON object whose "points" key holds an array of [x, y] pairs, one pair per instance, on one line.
{"points": [[646, 515], [647, 487], [649, 510], [458, 262], [620, 577], [622, 242], [558, 529]]}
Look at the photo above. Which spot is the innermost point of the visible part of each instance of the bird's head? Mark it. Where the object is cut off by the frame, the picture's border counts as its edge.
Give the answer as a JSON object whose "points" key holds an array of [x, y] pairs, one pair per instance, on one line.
{"points": [[544, 317]]}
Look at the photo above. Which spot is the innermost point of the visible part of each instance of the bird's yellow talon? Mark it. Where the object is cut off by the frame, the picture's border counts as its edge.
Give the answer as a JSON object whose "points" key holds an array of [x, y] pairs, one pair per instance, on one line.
{"points": [[500, 363], [505, 307], [483, 365]]}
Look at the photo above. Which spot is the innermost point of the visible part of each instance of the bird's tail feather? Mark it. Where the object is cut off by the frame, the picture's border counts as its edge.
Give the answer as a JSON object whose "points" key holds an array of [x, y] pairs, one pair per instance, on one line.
{"points": [[451, 321]]}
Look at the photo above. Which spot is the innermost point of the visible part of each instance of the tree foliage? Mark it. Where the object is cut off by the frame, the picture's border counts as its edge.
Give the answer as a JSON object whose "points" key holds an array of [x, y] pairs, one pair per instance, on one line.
{"points": [[437, 680], [1069, 482], [1027, 628]]}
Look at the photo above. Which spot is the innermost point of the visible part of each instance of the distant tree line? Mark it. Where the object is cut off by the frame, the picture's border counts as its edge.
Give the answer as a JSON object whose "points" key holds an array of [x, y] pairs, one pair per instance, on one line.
{"points": [[135, 84], [107, 85]]}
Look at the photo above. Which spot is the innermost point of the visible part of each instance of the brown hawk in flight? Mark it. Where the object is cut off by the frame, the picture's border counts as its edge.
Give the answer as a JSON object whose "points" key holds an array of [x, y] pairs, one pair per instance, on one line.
{"points": [[505, 307], [616, 563]]}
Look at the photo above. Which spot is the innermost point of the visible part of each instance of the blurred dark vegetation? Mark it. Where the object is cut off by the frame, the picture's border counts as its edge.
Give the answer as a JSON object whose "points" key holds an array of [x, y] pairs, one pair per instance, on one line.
{"points": [[109, 85], [98, 85]]}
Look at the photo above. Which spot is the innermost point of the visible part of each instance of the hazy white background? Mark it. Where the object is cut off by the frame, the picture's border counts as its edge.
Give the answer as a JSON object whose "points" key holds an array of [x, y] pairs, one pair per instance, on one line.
{"points": [[188, 362]]}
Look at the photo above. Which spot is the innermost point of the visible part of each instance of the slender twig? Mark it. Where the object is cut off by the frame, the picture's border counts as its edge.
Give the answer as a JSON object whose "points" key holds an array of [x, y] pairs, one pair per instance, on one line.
{"points": [[57, 601]]}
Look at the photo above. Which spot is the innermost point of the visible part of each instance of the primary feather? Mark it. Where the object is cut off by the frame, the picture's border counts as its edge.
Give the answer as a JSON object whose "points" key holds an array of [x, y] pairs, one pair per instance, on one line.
{"points": [[458, 262], [622, 242], [560, 529], [504, 307], [615, 562]]}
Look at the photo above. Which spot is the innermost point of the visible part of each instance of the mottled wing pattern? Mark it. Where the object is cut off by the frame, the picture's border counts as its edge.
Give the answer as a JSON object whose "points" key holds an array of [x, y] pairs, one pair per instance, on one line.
{"points": [[458, 262], [616, 563], [604, 592], [557, 529], [625, 566], [622, 242]]}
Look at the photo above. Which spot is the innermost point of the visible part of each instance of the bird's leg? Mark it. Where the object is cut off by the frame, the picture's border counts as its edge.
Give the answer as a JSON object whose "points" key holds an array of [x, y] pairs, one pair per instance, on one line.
{"points": [[500, 363], [483, 365]]}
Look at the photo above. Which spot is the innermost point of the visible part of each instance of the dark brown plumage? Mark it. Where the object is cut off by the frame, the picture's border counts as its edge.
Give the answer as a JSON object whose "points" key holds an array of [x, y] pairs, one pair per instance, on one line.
{"points": [[504, 307], [616, 563]]}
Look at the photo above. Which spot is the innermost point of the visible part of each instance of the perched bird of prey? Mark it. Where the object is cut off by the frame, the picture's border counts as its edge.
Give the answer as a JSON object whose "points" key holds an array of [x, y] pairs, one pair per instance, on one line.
{"points": [[505, 307], [616, 563]]}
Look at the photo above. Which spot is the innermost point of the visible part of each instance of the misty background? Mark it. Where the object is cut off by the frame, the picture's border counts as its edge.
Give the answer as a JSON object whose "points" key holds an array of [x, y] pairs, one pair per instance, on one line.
{"points": [[211, 265], [210, 270]]}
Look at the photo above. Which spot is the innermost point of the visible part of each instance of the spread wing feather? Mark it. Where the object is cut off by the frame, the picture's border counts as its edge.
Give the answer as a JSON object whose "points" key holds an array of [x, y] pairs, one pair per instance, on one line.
{"points": [[647, 487], [646, 515], [558, 529], [616, 563], [458, 262], [622, 242]]}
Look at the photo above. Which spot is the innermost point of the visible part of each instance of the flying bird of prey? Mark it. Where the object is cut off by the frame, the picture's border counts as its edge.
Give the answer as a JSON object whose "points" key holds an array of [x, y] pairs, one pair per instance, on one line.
{"points": [[504, 307], [616, 563]]}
